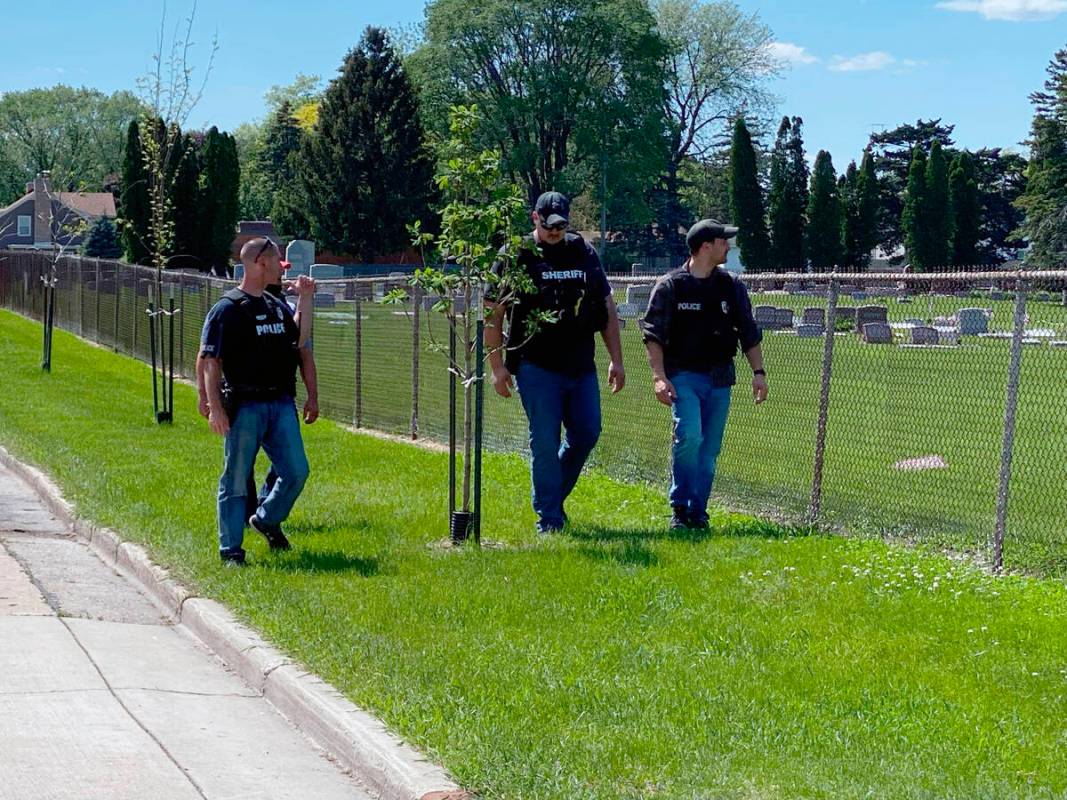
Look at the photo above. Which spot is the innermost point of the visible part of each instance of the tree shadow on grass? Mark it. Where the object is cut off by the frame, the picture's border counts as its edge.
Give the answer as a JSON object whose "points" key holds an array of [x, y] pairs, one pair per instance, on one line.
{"points": [[312, 561]]}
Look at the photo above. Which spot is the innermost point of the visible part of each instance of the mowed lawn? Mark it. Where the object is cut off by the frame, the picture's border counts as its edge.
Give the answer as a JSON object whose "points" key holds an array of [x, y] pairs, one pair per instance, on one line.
{"points": [[615, 661]]}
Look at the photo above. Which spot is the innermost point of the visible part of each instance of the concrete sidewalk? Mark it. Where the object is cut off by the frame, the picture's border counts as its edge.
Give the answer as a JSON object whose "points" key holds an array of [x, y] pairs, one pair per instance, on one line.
{"points": [[102, 697]]}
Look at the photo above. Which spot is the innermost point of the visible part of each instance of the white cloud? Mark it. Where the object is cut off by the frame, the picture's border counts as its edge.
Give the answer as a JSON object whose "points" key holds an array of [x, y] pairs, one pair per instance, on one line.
{"points": [[864, 62], [1011, 10], [790, 53]]}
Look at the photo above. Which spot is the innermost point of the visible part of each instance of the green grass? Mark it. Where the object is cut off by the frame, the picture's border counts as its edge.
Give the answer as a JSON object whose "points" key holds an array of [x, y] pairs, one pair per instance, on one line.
{"points": [[616, 661]]}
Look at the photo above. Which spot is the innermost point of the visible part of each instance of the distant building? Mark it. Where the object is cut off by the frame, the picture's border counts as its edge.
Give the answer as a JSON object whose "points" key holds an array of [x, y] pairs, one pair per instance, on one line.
{"points": [[29, 222]]}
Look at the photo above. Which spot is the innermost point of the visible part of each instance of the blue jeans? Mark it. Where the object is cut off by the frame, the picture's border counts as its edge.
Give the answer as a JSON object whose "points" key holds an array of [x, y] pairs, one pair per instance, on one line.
{"points": [[551, 400], [699, 422], [272, 425]]}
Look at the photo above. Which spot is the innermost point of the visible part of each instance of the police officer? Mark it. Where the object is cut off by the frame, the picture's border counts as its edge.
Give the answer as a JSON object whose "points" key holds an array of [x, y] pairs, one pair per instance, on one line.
{"points": [[250, 351], [553, 362], [697, 317]]}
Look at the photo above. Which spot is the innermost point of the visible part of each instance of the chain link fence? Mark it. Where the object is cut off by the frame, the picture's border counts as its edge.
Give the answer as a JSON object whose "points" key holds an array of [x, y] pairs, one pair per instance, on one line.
{"points": [[931, 407]]}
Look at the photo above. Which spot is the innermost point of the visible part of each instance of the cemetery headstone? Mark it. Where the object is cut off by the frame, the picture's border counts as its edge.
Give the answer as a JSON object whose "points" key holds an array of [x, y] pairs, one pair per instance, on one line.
{"points": [[783, 318], [629, 311], [301, 254], [814, 316], [972, 321], [923, 334], [765, 317], [325, 300], [868, 314], [809, 331], [638, 295], [326, 272], [877, 333]]}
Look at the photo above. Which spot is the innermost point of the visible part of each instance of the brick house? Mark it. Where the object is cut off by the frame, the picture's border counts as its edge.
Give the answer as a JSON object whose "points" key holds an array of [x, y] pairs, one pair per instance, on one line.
{"points": [[27, 223]]}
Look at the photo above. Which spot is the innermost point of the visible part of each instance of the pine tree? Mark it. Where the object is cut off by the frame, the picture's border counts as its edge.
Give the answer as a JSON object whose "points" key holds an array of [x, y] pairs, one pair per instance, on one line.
{"points": [[868, 211], [186, 201], [936, 211], [366, 170], [746, 201], [134, 200], [824, 216], [963, 202], [1045, 200], [220, 200], [848, 191], [912, 221], [788, 197], [103, 240], [279, 163]]}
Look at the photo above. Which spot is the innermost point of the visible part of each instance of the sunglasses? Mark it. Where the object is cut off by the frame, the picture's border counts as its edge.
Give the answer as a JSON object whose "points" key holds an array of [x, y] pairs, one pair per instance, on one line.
{"points": [[263, 249], [559, 226]]}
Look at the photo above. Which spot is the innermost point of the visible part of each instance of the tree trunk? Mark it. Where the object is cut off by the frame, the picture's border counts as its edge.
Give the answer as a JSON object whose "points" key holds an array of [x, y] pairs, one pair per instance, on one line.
{"points": [[468, 385]]}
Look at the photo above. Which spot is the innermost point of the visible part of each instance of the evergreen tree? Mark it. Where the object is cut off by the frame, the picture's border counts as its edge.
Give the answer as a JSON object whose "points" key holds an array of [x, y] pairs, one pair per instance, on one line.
{"points": [[746, 201], [186, 203], [788, 196], [936, 211], [868, 207], [824, 216], [279, 163], [848, 191], [103, 240], [1045, 199], [134, 205], [915, 237], [963, 202], [220, 200], [367, 173]]}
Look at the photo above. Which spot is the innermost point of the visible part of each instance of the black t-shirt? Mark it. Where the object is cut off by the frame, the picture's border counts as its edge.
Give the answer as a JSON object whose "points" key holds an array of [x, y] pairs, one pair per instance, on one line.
{"points": [[700, 322], [256, 338], [571, 284]]}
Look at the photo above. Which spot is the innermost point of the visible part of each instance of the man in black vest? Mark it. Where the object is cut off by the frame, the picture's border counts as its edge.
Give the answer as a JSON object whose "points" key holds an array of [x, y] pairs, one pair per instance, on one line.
{"points": [[250, 350], [697, 317], [553, 364]]}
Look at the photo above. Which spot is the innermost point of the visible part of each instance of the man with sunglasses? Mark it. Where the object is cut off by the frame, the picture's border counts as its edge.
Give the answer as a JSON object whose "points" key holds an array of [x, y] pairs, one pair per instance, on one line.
{"points": [[553, 362], [250, 349]]}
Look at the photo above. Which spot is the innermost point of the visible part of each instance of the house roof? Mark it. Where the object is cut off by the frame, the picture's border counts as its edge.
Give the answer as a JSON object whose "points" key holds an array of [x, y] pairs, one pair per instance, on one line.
{"points": [[8, 209], [92, 204]]}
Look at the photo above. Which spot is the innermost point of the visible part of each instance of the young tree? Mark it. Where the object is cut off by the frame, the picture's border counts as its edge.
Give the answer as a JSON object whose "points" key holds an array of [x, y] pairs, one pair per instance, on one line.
{"points": [[912, 221], [746, 201], [963, 202], [1045, 199], [366, 170], [824, 216], [788, 197], [103, 240], [935, 210]]}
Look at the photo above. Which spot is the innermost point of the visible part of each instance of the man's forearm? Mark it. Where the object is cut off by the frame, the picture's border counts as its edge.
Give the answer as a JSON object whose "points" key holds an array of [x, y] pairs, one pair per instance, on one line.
{"points": [[754, 355], [304, 312], [212, 382], [201, 388], [655, 359], [309, 373], [493, 337]]}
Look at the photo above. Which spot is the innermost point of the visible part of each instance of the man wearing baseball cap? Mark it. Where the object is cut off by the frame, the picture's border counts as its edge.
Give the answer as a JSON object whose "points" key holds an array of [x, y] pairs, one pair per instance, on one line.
{"points": [[698, 316], [553, 362]]}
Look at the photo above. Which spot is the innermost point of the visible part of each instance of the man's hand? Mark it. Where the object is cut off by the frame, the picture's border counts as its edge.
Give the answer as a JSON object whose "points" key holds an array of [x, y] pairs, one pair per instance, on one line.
{"points": [[218, 421], [616, 377], [303, 285], [759, 388], [201, 406], [502, 381], [311, 410], [664, 390]]}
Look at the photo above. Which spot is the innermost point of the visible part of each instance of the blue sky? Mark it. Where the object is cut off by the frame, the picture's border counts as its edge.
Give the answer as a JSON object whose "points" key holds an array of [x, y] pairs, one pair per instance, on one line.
{"points": [[855, 65]]}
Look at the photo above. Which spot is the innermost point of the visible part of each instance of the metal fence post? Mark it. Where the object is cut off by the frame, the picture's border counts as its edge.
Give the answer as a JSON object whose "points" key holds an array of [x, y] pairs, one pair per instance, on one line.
{"points": [[96, 320], [118, 302], [181, 326], [1010, 406], [815, 506], [359, 360], [415, 347]]}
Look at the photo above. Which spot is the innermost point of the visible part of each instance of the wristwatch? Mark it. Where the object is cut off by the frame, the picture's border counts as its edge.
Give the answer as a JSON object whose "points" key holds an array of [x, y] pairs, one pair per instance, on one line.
{"points": [[762, 372]]}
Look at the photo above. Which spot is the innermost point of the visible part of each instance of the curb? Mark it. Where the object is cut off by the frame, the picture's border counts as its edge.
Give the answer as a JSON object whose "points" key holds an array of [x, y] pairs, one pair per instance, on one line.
{"points": [[360, 742]]}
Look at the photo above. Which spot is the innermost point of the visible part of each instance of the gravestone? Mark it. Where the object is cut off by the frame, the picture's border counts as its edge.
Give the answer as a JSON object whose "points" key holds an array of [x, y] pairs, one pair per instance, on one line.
{"points": [[809, 331], [301, 254], [814, 316], [360, 290], [792, 288], [638, 295], [869, 314], [947, 335], [877, 333], [325, 300], [629, 311], [1043, 297], [783, 318], [326, 272], [765, 316], [914, 321], [972, 321], [996, 294], [923, 334], [859, 297], [845, 312]]}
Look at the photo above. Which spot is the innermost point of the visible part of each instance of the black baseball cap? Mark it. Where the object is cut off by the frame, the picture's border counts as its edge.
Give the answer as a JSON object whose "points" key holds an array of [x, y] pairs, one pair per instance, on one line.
{"points": [[706, 230], [553, 208]]}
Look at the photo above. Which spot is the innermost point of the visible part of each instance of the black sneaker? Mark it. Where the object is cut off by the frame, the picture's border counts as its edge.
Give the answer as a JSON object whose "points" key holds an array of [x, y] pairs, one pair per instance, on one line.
{"points": [[680, 518], [547, 529], [233, 560], [699, 520], [272, 533]]}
